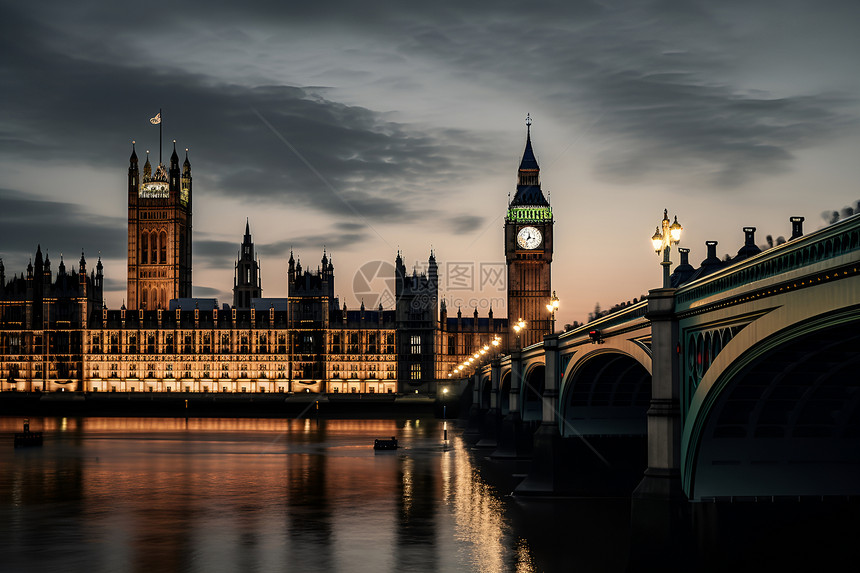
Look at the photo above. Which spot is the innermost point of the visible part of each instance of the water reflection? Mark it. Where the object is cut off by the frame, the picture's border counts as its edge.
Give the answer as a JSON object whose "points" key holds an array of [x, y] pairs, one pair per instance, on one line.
{"points": [[144, 494]]}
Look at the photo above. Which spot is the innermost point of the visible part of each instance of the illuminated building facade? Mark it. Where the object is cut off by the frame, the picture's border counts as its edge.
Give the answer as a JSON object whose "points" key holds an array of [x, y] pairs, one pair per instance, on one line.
{"points": [[56, 333]]}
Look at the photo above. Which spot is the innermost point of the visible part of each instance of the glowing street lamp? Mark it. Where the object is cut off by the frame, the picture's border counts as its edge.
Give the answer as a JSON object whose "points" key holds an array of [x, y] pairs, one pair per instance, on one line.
{"points": [[552, 306], [664, 239], [518, 326]]}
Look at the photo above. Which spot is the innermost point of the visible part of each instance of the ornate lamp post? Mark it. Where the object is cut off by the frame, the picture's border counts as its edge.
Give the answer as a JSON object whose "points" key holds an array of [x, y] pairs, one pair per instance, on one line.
{"points": [[518, 326], [552, 306], [664, 239]]}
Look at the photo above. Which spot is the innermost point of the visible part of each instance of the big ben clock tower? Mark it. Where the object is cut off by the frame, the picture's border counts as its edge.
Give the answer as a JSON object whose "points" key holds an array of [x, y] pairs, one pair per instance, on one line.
{"points": [[528, 252]]}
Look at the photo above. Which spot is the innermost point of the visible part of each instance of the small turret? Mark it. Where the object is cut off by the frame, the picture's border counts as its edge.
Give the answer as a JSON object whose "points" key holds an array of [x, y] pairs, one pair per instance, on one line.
{"points": [[174, 158], [174, 170], [39, 263]]}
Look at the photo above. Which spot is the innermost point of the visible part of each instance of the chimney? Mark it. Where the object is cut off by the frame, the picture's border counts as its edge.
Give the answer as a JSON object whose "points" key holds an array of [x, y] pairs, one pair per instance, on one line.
{"points": [[685, 255], [712, 249], [796, 227]]}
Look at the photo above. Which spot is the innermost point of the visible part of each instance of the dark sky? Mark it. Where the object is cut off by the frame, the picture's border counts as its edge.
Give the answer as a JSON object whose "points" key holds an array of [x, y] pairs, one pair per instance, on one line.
{"points": [[368, 127]]}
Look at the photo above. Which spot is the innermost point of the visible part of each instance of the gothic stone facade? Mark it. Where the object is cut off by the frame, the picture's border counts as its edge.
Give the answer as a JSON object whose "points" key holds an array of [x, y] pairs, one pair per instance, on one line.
{"points": [[55, 333]]}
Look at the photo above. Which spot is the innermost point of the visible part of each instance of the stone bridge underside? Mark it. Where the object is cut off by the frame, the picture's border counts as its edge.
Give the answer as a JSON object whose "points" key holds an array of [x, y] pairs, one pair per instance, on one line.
{"points": [[788, 423], [607, 395]]}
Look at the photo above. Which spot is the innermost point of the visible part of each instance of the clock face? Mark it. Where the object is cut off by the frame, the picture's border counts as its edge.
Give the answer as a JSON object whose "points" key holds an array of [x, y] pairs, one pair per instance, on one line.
{"points": [[529, 238]]}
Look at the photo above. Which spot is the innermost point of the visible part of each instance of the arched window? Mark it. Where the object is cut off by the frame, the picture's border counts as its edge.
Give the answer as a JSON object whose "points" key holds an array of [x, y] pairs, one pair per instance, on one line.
{"points": [[153, 247], [144, 248], [163, 247]]}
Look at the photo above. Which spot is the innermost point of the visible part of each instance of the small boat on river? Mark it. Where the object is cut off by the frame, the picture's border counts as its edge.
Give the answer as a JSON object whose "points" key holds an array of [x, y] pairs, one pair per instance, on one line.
{"points": [[27, 438], [383, 444]]}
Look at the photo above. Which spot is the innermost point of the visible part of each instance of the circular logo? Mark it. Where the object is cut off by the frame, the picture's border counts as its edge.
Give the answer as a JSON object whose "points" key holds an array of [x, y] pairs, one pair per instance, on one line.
{"points": [[373, 284]]}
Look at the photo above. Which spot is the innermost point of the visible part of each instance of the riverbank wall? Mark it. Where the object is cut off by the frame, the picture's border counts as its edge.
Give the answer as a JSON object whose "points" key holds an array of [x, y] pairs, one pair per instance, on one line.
{"points": [[190, 404]]}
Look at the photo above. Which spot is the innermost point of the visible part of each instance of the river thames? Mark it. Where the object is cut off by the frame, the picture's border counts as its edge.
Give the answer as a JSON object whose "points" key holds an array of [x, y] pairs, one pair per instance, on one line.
{"points": [[170, 494]]}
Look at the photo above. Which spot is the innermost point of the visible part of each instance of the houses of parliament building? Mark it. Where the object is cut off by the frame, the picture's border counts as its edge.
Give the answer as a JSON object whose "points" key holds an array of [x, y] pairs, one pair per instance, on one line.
{"points": [[56, 333]]}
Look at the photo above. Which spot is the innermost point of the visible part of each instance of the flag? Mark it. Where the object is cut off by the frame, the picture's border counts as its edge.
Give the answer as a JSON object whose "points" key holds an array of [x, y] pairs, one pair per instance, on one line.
{"points": [[155, 120]]}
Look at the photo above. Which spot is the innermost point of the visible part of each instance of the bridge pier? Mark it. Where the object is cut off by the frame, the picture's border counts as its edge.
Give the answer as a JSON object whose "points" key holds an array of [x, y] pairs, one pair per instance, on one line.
{"points": [[472, 432], [660, 511], [513, 441], [662, 479], [546, 475], [491, 418]]}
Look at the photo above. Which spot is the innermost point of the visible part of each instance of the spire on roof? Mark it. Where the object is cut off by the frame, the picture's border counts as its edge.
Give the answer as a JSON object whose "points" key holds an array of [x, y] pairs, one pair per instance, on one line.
{"points": [[528, 176], [529, 162]]}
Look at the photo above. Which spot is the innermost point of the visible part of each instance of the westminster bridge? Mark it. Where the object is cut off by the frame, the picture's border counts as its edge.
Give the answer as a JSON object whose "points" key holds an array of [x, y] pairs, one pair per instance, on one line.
{"points": [[742, 383]]}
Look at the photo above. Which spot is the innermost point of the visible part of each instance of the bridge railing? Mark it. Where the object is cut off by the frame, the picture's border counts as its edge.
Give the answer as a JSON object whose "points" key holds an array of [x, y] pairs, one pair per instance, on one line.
{"points": [[819, 246], [625, 315]]}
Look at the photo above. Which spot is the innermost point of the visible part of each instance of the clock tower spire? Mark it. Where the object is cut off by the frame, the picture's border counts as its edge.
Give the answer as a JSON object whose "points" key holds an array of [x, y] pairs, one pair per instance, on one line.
{"points": [[528, 251]]}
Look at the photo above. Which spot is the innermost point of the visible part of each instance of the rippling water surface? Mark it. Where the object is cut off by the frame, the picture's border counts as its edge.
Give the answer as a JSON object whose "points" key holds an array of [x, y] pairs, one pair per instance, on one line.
{"points": [[154, 494], [211, 495]]}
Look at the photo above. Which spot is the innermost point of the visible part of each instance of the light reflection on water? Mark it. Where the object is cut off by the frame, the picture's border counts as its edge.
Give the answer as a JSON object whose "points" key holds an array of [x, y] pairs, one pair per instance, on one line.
{"points": [[153, 494]]}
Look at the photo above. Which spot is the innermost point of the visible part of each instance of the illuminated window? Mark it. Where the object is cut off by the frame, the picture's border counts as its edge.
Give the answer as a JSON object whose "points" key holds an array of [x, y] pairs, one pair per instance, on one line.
{"points": [[144, 248], [163, 247]]}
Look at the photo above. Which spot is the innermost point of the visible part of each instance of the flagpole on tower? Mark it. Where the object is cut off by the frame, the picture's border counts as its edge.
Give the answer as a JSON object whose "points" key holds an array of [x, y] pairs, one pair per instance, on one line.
{"points": [[153, 121]]}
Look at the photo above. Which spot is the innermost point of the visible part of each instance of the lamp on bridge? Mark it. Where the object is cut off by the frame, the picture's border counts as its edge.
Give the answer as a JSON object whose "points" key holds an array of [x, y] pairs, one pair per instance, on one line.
{"points": [[664, 239], [518, 326], [552, 306]]}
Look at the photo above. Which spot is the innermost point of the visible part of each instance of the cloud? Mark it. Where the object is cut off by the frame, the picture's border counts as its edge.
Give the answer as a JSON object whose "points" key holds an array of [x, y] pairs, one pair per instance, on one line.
{"points": [[266, 143], [667, 123], [59, 227], [209, 292], [465, 224]]}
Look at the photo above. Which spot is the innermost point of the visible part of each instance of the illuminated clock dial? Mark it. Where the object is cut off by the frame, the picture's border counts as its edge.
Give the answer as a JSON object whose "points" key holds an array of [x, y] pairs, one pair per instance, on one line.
{"points": [[529, 238]]}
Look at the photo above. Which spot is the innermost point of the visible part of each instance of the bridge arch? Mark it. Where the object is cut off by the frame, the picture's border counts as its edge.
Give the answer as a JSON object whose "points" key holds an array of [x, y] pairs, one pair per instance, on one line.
{"points": [[486, 388], [778, 412], [505, 393], [606, 391], [531, 392]]}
